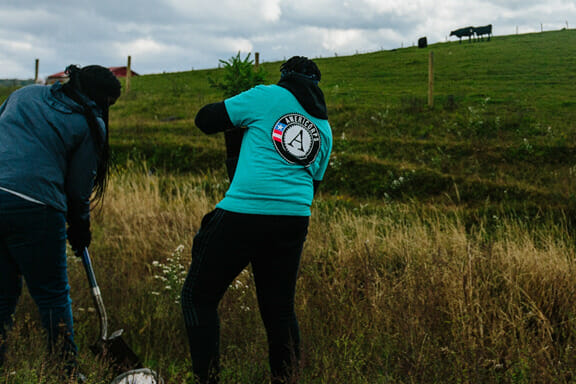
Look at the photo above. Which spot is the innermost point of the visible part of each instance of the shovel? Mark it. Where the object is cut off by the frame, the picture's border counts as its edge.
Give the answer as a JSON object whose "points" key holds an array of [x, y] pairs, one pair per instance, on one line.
{"points": [[113, 348]]}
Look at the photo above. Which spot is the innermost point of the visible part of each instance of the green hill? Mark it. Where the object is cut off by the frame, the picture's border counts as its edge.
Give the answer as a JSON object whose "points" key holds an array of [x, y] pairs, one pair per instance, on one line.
{"points": [[11, 83], [500, 133]]}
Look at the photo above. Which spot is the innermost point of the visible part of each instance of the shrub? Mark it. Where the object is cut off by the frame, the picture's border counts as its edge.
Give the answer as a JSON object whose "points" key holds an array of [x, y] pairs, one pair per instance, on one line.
{"points": [[239, 76]]}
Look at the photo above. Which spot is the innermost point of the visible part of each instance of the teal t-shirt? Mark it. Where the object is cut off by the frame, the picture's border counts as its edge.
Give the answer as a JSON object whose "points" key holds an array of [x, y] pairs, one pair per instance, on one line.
{"points": [[283, 149]]}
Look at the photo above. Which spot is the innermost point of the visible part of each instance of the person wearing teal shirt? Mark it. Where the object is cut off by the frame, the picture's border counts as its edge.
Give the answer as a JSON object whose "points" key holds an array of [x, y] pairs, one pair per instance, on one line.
{"points": [[263, 218]]}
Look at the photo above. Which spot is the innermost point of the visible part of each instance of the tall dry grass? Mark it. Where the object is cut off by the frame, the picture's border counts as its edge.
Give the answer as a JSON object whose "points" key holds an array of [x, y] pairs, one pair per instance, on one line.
{"points": [[423, 299], [386, 294]]}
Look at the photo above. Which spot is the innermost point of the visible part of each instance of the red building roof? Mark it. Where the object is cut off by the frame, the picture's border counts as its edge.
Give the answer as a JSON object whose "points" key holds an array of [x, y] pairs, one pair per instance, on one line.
{"points": [[57, 76], [121, 71], [63, 77]]}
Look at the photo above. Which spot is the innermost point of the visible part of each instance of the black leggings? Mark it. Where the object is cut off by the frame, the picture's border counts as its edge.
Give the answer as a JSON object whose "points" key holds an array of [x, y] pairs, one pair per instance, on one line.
{"points": [[225, 244]]}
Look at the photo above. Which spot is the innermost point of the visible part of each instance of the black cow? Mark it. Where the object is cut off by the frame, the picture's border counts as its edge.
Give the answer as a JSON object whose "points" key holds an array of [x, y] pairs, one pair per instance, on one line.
{"points": [[481, 31], [468, 31]]}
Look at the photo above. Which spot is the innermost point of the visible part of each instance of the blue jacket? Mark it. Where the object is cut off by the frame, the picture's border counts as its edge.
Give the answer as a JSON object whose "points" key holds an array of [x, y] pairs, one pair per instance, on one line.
{"points": [[46, 149]]}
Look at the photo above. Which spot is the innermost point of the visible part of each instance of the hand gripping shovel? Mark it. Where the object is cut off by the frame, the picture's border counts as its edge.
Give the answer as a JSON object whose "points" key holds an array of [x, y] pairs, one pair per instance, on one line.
{"points": [[114, 349]]}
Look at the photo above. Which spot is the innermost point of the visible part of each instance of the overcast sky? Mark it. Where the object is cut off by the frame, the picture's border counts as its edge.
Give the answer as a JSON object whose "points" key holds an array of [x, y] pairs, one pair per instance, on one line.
{"points": [[181, 35]]}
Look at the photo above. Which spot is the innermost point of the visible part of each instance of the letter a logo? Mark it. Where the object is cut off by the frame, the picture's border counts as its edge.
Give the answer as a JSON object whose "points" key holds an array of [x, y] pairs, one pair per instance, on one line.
{"points": [[296, 139]]}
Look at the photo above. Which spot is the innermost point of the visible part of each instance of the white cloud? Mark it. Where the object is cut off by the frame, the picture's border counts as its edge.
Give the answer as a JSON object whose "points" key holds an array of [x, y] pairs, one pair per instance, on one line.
{"points": [[16, 46], [141, 46], [174, 35], [337, 40], [231, 11], [399, 7], [271, 10]]}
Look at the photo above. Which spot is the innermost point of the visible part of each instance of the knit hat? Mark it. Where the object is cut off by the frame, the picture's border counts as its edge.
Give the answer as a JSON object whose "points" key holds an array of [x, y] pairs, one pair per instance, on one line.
{"points": [[300, 76], [96, 82], [301, 65]]}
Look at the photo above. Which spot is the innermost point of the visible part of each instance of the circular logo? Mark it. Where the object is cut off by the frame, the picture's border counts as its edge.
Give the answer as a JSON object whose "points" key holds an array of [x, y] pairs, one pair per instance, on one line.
{"points": [[296, 139]]}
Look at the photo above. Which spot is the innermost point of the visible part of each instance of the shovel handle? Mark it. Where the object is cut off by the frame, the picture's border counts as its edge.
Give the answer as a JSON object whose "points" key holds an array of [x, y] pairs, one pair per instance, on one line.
{"points": [[88, 267], [96, 295]]}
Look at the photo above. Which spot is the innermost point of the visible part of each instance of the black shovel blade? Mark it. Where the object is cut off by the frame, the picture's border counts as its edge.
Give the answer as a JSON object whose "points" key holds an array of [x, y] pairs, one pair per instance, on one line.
{"points": [[115, 351]]}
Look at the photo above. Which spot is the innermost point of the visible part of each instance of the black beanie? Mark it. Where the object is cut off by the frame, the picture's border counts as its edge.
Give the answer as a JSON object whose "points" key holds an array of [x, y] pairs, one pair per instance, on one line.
{"points": [[99, 84], [96, 82], [303, 66]]}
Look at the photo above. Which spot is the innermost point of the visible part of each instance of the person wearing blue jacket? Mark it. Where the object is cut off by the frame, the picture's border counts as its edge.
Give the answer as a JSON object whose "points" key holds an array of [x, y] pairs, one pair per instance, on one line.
{"points": [[54, 156], [263, 218]]}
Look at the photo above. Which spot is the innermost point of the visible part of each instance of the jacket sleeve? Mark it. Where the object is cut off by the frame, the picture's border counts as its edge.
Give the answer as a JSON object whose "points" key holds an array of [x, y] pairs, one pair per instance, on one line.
{"points": [[80, 176], [213, 118], [3, 106]]}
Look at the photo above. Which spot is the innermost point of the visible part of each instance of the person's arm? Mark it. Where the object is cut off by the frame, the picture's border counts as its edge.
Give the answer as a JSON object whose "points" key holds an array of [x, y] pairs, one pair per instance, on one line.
{"points": [[3, 106], [233, 139], [316, 184], [213, 118], [80, 175]]}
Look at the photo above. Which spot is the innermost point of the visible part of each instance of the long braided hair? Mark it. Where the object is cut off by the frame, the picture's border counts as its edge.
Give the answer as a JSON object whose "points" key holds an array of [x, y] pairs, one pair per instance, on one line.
{"points": [[101, 86]]}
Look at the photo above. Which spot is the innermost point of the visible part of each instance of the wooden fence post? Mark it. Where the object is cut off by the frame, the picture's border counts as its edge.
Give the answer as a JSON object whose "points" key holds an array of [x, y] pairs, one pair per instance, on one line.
{"points": [[128, 73], [36, 71], [431, 80]]}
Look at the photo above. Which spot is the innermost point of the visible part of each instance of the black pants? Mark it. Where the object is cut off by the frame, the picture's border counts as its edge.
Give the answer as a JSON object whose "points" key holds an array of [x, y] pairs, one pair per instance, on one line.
{"points": [[225, 244]]}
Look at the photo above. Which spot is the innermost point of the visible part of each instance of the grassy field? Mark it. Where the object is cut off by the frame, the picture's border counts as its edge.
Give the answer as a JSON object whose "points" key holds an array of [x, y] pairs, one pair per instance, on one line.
{"points": [[441, 247], [501, 129], [404, 293]]}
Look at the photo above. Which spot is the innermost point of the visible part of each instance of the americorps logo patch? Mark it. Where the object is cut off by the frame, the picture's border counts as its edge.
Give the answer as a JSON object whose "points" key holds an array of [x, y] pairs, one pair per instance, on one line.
{"points": [[296, 138]]}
